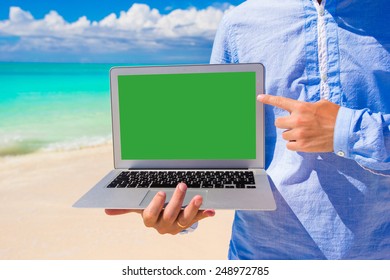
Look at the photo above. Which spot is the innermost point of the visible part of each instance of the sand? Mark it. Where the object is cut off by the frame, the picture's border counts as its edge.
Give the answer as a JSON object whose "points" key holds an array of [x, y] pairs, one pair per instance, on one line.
{"points": [[37, 220]]}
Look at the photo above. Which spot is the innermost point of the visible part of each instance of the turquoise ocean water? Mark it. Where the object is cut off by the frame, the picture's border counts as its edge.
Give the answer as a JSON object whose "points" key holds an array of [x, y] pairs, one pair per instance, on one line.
{"points": [[48, 106]]}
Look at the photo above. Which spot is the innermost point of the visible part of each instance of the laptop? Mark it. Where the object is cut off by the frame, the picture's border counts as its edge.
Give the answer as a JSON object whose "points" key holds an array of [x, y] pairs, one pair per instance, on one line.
{"points": [[198, 124]]}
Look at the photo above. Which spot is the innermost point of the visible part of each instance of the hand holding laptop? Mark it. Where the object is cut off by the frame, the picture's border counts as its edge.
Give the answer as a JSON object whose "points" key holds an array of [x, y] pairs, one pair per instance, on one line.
{"points": [[172, 219]]}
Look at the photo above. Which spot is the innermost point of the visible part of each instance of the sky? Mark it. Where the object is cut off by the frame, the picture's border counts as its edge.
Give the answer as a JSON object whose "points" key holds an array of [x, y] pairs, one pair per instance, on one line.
{"points": [[109, 31]]}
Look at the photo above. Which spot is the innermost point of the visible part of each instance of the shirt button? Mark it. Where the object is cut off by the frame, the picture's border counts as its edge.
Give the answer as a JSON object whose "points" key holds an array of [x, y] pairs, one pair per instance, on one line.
{"points": [[324, 77], [321, 11], [340, 153]]}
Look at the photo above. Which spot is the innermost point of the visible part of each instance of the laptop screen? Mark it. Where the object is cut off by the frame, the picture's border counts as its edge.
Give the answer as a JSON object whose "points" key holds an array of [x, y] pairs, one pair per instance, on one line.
{"points": [[196, 116]]}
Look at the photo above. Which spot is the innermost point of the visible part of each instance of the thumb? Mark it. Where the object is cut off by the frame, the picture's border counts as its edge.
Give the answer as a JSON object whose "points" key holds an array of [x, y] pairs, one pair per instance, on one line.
{"points": [[114, 212]]}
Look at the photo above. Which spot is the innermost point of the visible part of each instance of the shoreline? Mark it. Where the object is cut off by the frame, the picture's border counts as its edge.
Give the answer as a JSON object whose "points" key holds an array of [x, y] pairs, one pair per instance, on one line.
{"points": [[37, 220]]}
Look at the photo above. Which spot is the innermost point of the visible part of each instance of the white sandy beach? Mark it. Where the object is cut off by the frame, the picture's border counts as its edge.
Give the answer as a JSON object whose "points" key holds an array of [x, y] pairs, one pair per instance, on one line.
{"points": [[37, 220]]}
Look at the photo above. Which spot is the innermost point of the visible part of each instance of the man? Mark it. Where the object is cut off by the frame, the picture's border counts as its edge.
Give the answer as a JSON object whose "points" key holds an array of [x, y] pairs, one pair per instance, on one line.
{"points": [[327, 131]]}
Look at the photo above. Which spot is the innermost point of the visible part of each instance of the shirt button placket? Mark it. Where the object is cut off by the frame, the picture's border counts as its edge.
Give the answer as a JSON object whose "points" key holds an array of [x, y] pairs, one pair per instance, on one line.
{"points": [[322, 52], [321, 11]]}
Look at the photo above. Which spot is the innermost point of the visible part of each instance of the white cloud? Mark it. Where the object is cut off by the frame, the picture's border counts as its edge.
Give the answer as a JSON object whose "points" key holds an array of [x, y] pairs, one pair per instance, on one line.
{"points": [[139, 27], [16, 15]]}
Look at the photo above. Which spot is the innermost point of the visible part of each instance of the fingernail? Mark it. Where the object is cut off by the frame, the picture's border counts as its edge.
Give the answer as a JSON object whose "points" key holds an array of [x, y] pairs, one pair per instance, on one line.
{"points": [[162, 194], [260, 97], [182, 187]]}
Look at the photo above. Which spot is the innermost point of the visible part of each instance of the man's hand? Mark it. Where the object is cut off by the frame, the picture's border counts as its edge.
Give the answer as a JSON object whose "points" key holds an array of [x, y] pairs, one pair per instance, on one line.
{"points": [[172, 219], [309, 127]]}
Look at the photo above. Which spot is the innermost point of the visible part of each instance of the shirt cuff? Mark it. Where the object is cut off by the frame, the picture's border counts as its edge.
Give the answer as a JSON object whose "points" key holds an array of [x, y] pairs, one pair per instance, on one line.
{"points": [[342, 132], [190, 229]]}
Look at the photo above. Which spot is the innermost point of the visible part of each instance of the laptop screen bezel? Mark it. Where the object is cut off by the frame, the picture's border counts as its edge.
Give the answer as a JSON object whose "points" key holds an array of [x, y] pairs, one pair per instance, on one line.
{"points": [[119, 163]]}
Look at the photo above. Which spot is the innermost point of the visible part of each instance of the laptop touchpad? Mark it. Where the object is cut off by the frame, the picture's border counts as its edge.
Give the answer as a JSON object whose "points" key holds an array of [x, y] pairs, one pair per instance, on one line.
{"points": [[189, 195]]}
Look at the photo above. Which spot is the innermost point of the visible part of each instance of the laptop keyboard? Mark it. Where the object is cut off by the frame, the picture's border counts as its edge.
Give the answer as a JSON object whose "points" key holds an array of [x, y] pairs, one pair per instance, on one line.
{"points": [[193, 179]]}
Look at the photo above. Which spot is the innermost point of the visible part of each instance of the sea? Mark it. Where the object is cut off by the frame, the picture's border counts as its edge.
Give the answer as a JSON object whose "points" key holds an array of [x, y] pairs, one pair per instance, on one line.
{"points": [[53, 106]]}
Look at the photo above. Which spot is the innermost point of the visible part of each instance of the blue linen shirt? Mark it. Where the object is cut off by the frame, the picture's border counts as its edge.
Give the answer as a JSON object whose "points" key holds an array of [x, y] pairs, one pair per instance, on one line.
{"points": [[330, 205]]}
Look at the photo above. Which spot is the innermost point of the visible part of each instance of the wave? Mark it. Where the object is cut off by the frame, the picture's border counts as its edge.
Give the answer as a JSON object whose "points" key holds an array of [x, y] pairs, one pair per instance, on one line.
{"points": [[27, 146], [76, 144]]}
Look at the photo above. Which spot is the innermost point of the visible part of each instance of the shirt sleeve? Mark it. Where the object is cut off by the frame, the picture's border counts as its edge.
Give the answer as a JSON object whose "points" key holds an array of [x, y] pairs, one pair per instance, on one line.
{"points": [[192, 228], [364, 137], [223, 50]]}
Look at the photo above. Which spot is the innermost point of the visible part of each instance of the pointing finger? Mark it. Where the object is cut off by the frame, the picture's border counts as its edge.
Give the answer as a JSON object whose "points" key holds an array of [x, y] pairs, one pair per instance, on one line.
{"points": [[284, 103]]}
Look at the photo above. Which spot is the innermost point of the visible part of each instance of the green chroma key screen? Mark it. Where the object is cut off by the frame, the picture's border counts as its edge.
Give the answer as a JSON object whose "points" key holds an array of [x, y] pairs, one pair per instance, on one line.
{"points": [[188, 116]]}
